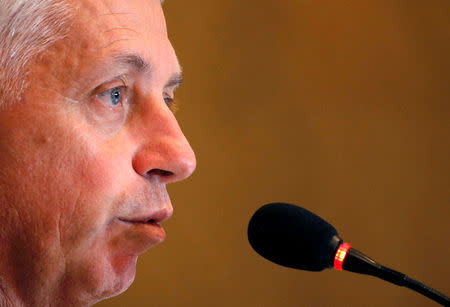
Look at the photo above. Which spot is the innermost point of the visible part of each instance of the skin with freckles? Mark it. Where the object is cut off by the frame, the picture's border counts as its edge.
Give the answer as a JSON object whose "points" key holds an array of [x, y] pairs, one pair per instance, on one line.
{"points": [[86, 157]]}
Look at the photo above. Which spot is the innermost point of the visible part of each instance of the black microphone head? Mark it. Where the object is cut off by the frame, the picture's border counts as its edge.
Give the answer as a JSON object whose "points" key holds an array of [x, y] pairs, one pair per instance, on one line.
{"points": [[293, 236]]}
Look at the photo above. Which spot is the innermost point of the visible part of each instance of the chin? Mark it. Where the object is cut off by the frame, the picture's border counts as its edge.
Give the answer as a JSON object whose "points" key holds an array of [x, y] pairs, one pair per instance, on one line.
{"points": [[105, 278], [125, 272], [121, 276]]}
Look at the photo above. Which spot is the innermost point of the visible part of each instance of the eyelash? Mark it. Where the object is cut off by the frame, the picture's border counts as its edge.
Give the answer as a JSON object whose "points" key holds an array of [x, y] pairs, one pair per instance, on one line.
{"points": [[171, 104], [169, 101], [109, 92]]}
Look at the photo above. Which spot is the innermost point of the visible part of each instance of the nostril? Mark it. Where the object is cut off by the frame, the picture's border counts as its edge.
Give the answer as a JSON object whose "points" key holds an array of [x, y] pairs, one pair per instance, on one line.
{"points": [[159, 172]]}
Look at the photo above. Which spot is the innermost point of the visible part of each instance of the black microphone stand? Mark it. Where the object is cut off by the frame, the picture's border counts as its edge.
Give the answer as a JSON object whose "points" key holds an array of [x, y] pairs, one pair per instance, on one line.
{"points": [[357, 262]]}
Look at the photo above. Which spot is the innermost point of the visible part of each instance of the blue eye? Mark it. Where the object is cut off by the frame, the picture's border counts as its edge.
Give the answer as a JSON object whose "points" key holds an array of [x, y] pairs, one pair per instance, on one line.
{"points": [[116, 96], [112, 97]]}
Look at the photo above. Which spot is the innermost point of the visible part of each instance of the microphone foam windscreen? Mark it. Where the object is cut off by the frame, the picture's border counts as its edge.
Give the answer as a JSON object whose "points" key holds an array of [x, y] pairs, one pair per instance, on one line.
{"points": [[291, 236]]}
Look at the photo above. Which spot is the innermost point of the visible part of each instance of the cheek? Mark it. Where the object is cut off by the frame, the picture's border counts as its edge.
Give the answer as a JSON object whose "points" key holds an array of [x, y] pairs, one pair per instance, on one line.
{"points": [[96, 180], [67, 181]]}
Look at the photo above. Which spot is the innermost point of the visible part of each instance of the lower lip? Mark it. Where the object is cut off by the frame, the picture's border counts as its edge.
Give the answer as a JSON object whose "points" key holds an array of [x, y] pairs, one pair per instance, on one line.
{"points": [[139, 237]]}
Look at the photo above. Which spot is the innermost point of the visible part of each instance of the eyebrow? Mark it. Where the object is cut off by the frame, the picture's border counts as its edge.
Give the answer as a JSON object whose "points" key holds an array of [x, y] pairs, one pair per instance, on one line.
{"points": [[175, 81], [133, 60], [139, 64]]}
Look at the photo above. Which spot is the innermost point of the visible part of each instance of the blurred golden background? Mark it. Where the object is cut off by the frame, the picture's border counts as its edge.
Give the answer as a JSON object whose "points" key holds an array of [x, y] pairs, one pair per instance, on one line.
{"points": [[341, 107]]}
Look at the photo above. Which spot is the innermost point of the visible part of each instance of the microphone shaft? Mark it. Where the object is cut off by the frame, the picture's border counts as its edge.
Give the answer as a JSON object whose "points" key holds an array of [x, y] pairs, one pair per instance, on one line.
{"points": [[357, 262], [427, 291]]}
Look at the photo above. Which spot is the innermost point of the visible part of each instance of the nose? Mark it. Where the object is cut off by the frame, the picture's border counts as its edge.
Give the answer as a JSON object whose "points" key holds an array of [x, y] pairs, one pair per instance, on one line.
{"points": [[163, 150]]}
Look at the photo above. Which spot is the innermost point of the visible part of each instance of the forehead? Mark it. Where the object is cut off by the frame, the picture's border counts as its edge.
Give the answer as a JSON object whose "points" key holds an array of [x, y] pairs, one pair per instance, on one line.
{"points": [[114, 25], [143, 15], [101, 30]]}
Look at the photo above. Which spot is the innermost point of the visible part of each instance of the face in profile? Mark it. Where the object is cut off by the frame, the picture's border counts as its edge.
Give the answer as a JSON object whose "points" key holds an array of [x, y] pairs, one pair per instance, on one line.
{"points": [[87, 154]]}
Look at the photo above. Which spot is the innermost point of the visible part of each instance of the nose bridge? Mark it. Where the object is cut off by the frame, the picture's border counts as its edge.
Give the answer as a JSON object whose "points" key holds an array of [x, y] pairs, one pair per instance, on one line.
{"points": [[163, 150]]}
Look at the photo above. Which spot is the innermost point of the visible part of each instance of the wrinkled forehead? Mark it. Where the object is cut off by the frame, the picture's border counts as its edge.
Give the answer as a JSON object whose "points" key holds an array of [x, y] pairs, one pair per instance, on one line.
{"points": [[100, 30], [145, 16]]}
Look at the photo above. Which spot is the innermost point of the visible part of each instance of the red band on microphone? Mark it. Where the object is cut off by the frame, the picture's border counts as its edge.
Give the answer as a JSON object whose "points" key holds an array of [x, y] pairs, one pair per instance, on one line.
{"points": [[340, 255]]}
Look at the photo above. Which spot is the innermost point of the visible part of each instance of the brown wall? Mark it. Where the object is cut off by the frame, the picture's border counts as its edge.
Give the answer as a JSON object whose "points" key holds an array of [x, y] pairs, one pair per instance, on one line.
{"points": [[338, 106]]}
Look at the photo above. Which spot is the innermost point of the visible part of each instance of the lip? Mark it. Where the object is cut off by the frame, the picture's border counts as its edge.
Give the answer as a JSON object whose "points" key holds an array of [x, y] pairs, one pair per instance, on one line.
{"points": [[153, 218], [135, 238], [139, 233], [149, 222]]}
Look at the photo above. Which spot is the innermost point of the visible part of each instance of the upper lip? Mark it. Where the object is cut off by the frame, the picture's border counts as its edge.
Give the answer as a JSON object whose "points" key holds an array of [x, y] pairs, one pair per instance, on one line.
{"points": [[155, 217]]}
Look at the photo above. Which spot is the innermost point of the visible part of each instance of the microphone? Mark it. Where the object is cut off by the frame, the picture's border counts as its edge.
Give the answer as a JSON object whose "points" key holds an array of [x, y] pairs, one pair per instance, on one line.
{"points": [[294, 237]]}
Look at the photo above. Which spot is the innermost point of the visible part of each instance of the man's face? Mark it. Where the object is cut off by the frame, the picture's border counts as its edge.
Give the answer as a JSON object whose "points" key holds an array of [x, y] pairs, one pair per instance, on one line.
{"points": [[86, 156]]}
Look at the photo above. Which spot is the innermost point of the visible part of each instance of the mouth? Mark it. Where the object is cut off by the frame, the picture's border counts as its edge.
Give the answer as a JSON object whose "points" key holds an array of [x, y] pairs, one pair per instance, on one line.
{"points": [[149, 221], [135, 236], [153, 219]]}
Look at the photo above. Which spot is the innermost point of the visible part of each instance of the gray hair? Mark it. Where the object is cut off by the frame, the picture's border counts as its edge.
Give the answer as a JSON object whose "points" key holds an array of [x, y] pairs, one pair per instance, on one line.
{"points": [[27, 28]]}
